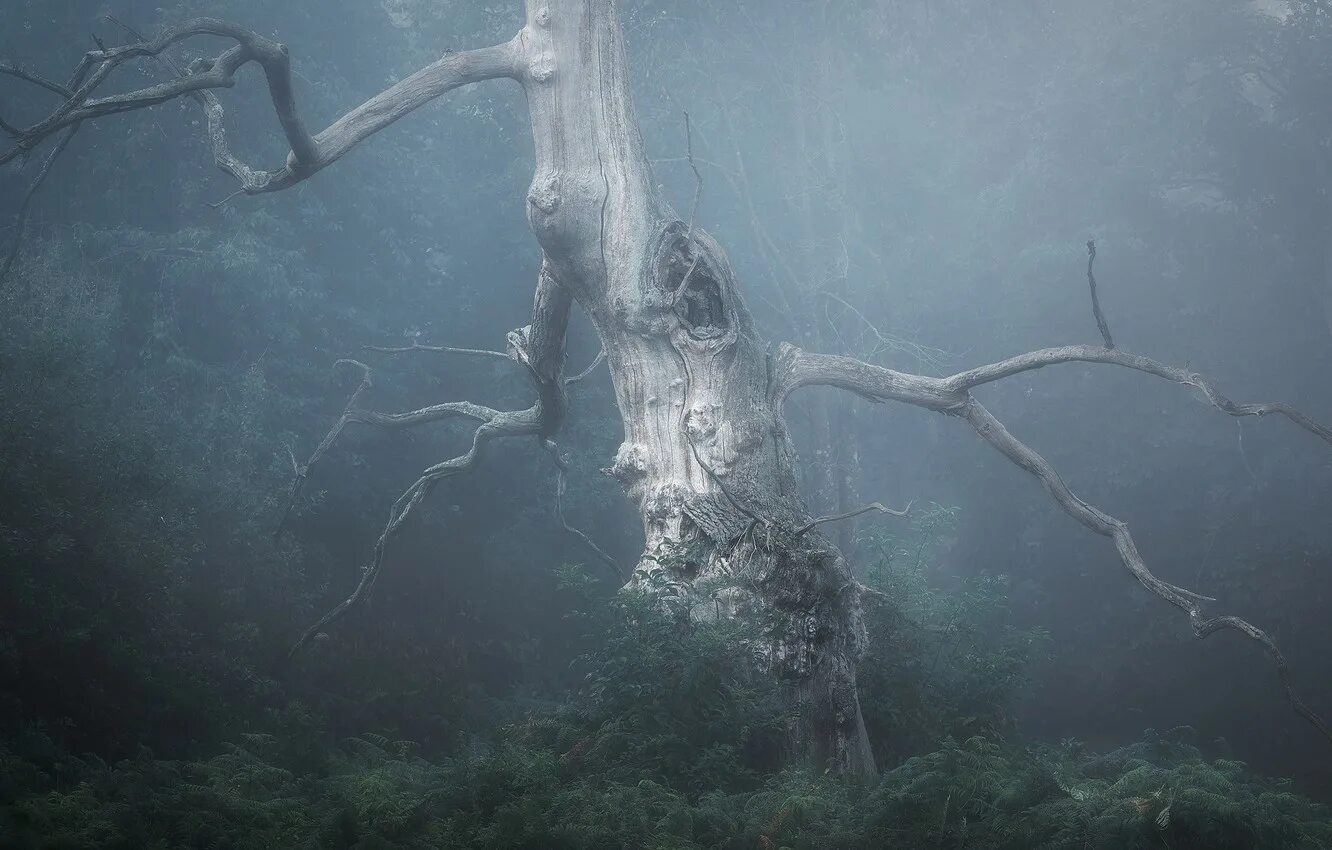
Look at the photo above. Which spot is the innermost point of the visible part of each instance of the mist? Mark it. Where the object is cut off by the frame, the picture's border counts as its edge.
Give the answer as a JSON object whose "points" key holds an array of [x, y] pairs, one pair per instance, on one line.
{"points": [[192, 485]]}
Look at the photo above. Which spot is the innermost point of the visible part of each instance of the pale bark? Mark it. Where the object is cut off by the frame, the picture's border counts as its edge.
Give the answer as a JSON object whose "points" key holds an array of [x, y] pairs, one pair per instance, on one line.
{"points": [[705, 452]]}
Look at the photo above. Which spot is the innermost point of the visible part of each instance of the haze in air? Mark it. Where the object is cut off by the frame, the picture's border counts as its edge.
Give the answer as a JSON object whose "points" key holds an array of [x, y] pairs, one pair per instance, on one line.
{"points": [[594, 424]]}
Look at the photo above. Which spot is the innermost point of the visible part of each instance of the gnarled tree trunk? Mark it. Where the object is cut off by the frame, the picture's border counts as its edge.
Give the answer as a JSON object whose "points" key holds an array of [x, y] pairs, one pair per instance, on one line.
{"points": [[706, 456]]}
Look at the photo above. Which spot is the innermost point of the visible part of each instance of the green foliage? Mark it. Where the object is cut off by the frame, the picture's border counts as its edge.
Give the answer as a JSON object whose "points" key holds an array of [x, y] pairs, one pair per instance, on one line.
{"points": [[661, 747], [120, 456], [941, 660], [675, 696]]}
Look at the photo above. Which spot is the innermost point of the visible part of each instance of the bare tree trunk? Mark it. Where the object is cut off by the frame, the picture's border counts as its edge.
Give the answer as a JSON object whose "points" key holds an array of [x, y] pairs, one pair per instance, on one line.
{"points": [[706, 456]]}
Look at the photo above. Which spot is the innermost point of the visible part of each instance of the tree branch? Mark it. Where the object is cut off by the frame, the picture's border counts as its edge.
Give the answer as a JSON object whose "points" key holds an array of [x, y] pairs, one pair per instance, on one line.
{"points": [[502, 424], [993, 432], [952, 396], [872, 506], [309, 153], [561, 486], [948, 395], [25, 206], [964, 381], [539, 347], [439, 349], [11, 70], [1096, 301]]}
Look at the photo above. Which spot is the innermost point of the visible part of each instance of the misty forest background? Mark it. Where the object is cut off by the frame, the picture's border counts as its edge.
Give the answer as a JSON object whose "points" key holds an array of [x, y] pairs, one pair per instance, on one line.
{"points": [[912, 182]]}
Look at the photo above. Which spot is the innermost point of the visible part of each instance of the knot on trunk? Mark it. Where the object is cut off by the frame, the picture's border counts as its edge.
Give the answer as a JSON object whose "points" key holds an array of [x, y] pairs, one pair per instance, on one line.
{"points": [[629, 467]]}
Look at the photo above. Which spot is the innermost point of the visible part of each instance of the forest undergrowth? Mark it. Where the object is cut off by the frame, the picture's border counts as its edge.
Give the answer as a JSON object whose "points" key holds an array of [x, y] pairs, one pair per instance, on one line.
{"points": [[144, 602]]}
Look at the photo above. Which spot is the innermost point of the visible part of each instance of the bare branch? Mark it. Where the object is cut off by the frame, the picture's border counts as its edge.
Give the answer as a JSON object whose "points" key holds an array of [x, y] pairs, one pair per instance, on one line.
{"points": [[303, 470], [693, 215], [10, 70], [538, 347], [795, 368], [698, 177], [964, 381], [873, 506], [952, 396], [993, 432], [583, 375], [217, 73], [309, 154], [503, 424], [948, 395], [1095, 299], [439, 349], [561, 486], [351, 413]]}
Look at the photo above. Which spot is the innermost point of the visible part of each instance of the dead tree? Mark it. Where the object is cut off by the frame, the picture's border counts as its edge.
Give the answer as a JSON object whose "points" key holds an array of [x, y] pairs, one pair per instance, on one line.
{"points": [[706, 455]]}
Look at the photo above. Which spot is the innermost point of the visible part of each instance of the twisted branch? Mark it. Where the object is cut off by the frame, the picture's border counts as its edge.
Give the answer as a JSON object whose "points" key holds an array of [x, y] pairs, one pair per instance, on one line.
{"points": [[1030, 361], [500, 424], [309, 153], [952, 396], [872, 506], [993, 432], [539, 348], [592, 367]]}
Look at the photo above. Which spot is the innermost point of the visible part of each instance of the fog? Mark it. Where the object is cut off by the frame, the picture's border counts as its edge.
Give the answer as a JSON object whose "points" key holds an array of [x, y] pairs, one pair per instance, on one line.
{"points": [[910, 183]]}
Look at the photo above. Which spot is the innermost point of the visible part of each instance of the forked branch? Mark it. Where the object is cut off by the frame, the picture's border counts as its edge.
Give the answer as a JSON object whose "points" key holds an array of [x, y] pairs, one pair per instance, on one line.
{"points": [[993, 432], [310, 153], [952, 396], [501, 424], [353, 413], [964, 381], [539, 348]]}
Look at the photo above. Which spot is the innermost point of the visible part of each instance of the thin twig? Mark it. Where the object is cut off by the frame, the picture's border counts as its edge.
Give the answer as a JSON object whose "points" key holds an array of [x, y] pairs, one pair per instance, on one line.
{"points": [[438, 349], [303, 470], [583, 375], [679, 292], [698, 177], [873, 506], [561, 487], [1095, 299]]}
